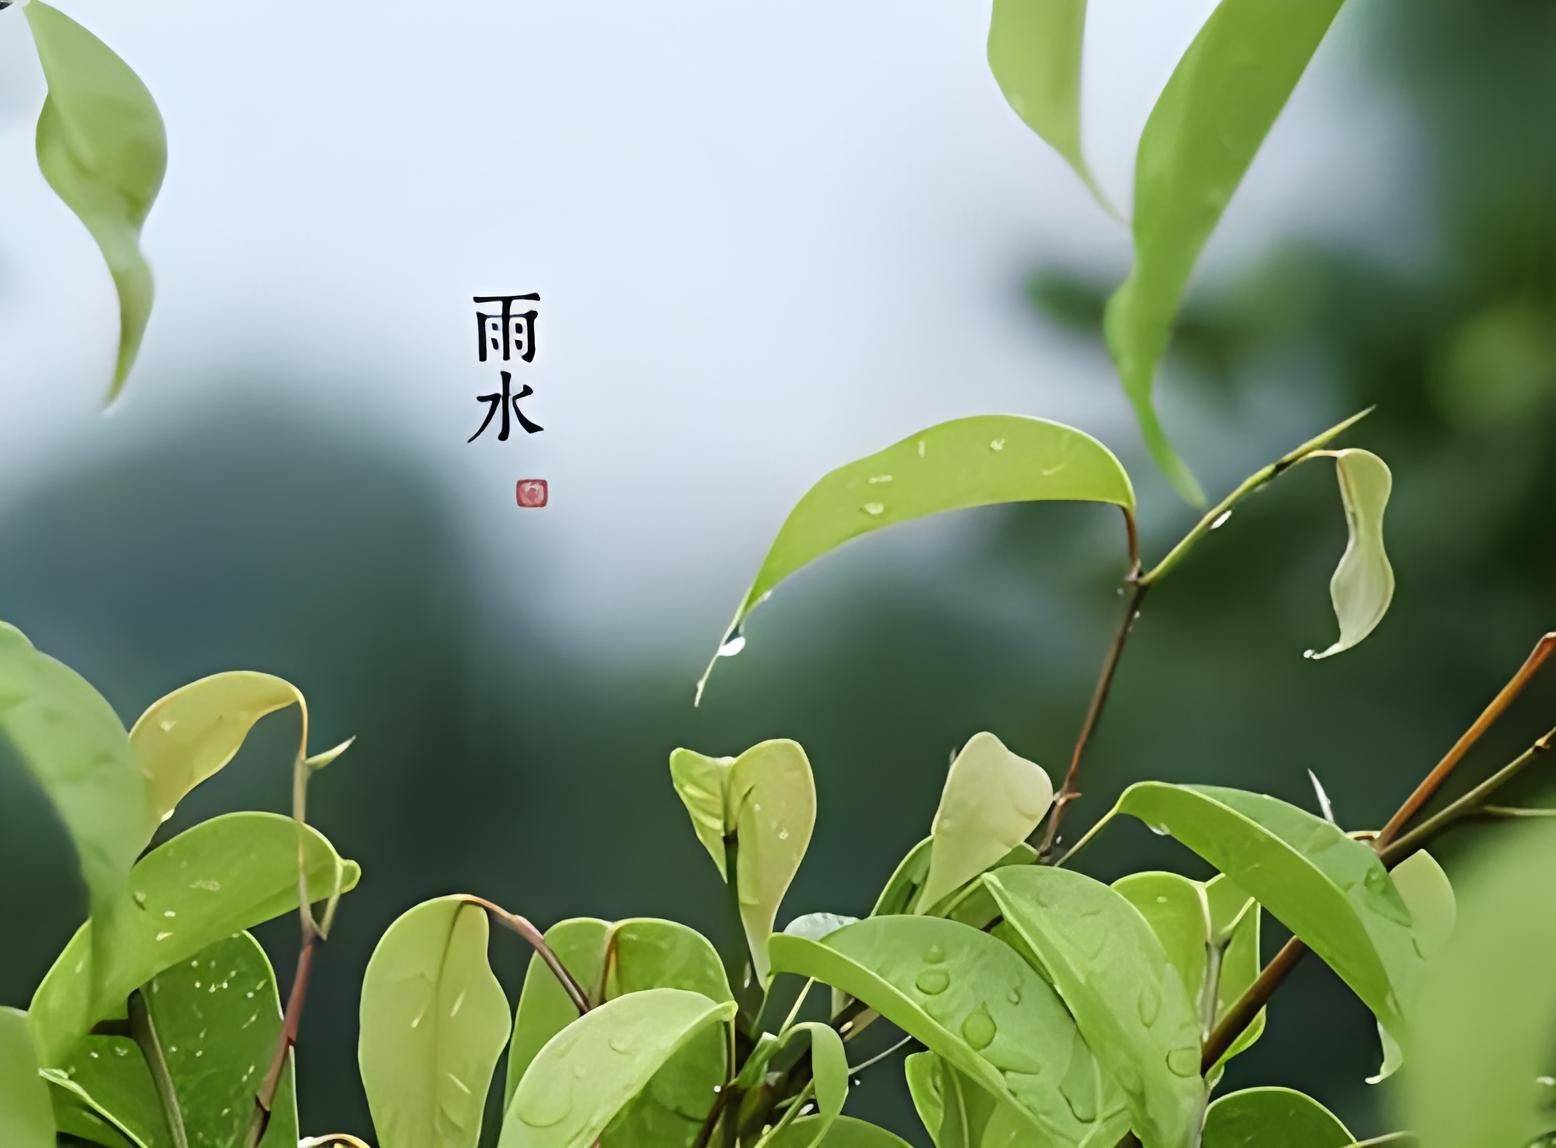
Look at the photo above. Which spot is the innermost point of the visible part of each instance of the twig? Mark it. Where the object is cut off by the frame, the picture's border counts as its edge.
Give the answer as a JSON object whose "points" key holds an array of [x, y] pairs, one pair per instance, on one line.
{"points": [[291, 1022], [145, 1034], [537, 941]]}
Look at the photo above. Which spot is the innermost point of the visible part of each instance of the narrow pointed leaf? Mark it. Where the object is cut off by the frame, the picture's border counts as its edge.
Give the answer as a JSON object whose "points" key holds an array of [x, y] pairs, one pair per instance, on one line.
{"points": [[596, 1066], [1272, 1118], [1428, 894], [845, 1132], [978, 461], [190, 734], [434, 1021], [829, 1071], [992, 801], [1363, 583], [218, 878], [1201, 137], [1035, 49], [700, 782], [1328, 889], [971, 999], [611, 960], [74, 745], [1175, 909], [26, 1115], [1124, 993], [102, 147]]}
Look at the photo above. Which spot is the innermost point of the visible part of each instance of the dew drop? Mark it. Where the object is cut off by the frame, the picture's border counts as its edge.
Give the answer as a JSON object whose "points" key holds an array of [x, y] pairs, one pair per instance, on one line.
{"points": [[1221, 520], [874, 509], [140, 898], [544, 1108], [1184, 1061], [979, 1029], [935, 954], [1148, 1004], [997, 445], [733, 646], [623, 1042], [162, 936], [921, 448], [878, 479], [932, 982]]}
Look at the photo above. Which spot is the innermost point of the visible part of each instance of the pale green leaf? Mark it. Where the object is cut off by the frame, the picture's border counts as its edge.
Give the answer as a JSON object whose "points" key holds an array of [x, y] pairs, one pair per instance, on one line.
{"points": [[596, 1066], [26, 1115], [1363, 583], [1272, 1118], [955, 1112], [1035, 54], [1200, 139], [434, 1021], [970, 904], [218, 878], [845, 1132], [1126, 997], [74, 745], [977, 461], [817, 925], [1428, 894], [610, 961], [107, 1085], [992, 801], [974, 1001], [1328, 889], [187, 736], [767, 804], [102, 147], [1175, 908], [829, 1075]]}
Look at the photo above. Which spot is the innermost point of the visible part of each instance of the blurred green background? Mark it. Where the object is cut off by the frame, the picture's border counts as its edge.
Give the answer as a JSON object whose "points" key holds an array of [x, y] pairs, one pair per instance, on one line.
{"points": [[498, 754]]}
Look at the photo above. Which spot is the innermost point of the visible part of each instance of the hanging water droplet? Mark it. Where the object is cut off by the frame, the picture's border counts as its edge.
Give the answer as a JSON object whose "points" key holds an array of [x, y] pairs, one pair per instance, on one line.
{"points": [[1310, 654], [979, 1029], [733, 645], [1221, 520], [874, 509]]}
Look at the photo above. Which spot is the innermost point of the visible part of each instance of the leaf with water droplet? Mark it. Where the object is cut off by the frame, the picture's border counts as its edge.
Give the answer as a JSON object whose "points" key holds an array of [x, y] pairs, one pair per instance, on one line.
{"points": [[426, 1083], [1328, 889], [189, 735], [220, 877], [26, 1115], [102, 147], [1363, 584], [844, 1132], [1025, 1047], [946, 467], [1272, 1118], [1126, 996], [765, 800], [993, 800], [1200, 139], [611, 960], [546, 1111]]}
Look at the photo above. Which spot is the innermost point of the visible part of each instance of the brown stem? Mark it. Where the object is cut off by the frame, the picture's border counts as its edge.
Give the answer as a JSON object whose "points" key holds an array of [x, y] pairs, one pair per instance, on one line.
{"points": [[264, 1099], [1068, 791], [537, 941], [1241, 1014]]}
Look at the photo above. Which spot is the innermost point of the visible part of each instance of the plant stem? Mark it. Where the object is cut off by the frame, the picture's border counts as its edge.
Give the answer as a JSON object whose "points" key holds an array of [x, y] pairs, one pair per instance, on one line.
{"points": [[291, 1022], [145, 1033], [1392, 851], [537, 941]]}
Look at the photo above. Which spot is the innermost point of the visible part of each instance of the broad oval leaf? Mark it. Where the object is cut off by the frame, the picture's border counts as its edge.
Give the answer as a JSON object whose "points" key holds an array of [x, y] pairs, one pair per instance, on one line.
{"points": [[1200, 139], [992, 801], [768, 808], [611, 960], [1186, 915], [1363, 583], [955, 1112], [845, 1132], [26, 1114], [1272, 1118], [829, 1075], [1125, 995], [1328, 889], [1428, 894], [596, 1066], [974, 1001], [434, 1021], [103, 149], [74, 745], [977, 461], [218, 878], [1035, 49]]}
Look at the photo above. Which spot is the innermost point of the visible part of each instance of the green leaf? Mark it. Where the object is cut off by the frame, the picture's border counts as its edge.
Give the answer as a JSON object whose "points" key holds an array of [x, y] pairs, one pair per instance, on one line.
{"points": [[1328, 889], [974, 1001], [1126, 997], [102, 147], [992, 801], [1175, 908], [218, 878], [1035, 51], [26, 1115], [189, 735], [106, 1078], [970, 904], [1201, 137], [610, 961], [956, 1112], [434, 1021], [1363, 583], [815, 926], [979, 461], [1428, 894], [767, 804], [74, 1117], [829, 1075], [596, 1066], [845, 1132], [72, 742], [1272, 1118]]}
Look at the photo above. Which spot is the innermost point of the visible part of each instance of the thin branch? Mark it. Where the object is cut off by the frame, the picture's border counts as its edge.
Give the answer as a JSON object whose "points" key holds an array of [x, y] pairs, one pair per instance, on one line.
{"points": [[1247, 1006], [264, 1099], [145, 1034], [537, 941]]}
